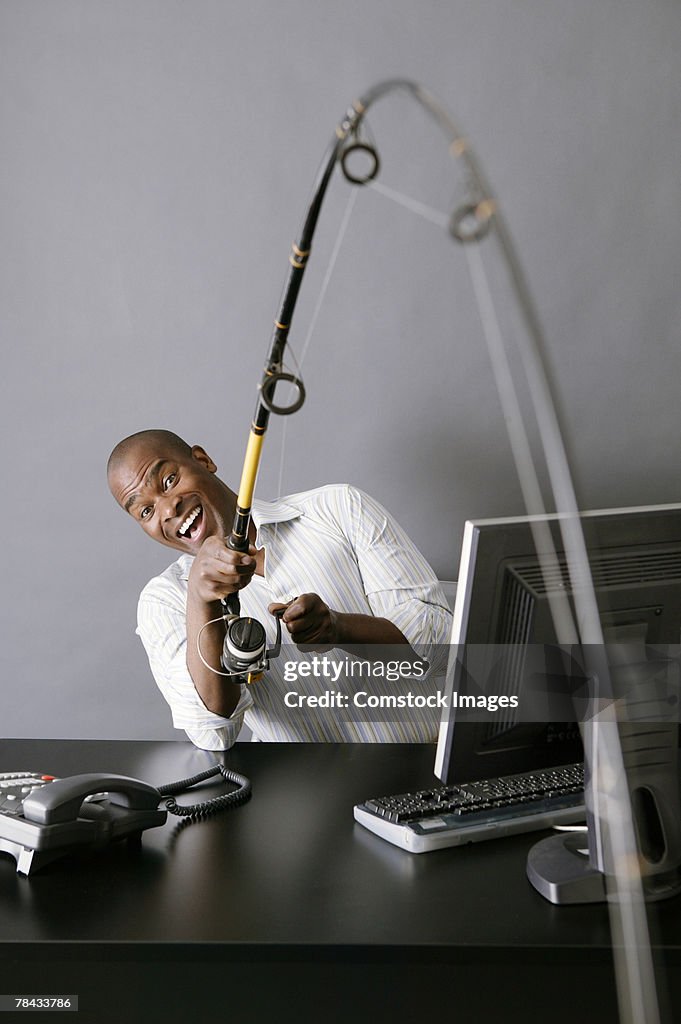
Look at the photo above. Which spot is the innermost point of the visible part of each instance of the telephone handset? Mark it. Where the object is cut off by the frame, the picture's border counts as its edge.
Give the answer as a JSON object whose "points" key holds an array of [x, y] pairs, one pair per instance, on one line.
{"points": [[42, 817], [62, 800]]}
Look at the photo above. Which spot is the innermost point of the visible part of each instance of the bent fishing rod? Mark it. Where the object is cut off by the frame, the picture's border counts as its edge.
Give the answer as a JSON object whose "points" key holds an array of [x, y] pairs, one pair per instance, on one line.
{"points": [[246, 640], [610, 846], [471, 220]]}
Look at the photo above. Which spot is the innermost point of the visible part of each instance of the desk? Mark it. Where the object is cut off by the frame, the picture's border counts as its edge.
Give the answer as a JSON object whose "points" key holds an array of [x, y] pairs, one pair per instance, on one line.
{"points": [[310, 914]]}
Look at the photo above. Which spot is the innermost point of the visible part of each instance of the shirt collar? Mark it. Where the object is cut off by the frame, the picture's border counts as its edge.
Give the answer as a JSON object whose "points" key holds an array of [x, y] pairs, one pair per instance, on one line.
{"points": [[264, 513]]}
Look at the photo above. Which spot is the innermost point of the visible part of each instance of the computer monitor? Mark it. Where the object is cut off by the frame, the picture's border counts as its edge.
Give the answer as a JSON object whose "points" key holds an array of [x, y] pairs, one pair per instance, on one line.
{"points": [[504, 637]]}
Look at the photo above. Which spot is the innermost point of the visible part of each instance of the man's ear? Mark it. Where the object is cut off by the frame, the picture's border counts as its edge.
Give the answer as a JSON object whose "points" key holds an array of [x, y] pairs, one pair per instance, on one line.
{"points": [[204, 458]]}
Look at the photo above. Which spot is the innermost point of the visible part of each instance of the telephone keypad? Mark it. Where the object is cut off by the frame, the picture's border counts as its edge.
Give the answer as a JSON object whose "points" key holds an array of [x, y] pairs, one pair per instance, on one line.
{"points": [[16, 786]]}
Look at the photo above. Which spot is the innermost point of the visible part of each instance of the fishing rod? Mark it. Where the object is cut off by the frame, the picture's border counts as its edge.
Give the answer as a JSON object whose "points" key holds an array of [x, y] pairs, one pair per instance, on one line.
{"points": [[246, 639], [470, 221], [611, 840]]}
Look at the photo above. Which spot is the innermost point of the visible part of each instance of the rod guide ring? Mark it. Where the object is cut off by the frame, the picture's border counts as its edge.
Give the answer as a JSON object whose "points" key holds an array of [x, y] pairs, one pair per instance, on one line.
{"points": [[268, 385], [360, 147], [471, 221]]}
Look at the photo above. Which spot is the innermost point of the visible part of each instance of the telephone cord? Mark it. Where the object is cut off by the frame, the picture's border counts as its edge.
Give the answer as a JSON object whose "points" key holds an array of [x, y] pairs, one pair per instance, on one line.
{"points": [[200, 811]]}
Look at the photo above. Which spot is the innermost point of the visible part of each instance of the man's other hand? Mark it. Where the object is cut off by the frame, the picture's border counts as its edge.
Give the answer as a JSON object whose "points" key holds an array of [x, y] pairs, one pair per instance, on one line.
{"points": [[308, 619]]}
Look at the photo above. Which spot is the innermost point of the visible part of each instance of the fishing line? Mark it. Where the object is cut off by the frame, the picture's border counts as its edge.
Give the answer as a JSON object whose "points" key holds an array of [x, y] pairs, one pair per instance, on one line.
{"points": [[428, 213], [215, 671], [349, 207], [298, 363]]}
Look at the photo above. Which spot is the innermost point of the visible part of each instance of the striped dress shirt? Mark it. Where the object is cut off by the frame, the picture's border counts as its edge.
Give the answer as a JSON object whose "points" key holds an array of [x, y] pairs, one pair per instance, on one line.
{"points": [[333, 541]]}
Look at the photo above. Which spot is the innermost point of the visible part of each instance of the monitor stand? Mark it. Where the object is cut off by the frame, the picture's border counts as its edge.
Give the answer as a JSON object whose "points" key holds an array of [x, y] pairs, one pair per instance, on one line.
{"points": [[568, 868], [560, 870]]}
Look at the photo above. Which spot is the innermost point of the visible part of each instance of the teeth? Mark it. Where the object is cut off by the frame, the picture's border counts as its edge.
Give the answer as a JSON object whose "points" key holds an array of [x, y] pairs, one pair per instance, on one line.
{"points": [[189, 520]]}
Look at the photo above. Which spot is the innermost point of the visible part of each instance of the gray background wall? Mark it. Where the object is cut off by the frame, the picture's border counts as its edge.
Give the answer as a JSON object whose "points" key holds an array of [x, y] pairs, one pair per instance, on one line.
{"points": [[157, 158]]}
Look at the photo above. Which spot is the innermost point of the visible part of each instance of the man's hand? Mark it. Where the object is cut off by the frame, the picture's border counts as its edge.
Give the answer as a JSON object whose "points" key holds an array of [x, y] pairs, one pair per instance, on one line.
{"points": [[218, 571], [309, 620]]}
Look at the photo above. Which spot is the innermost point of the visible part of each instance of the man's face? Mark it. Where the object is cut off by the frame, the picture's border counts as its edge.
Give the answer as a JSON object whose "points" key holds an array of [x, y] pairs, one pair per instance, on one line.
{"points": [[176, 498]]}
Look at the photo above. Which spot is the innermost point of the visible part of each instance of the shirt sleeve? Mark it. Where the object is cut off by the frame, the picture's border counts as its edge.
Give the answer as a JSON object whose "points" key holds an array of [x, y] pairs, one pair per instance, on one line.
{"points": [[161, 625], [398, 581]]}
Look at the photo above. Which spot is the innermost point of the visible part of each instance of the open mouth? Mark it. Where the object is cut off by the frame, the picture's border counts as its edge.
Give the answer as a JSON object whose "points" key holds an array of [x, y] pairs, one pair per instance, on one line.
{"points": [[192, 524]]}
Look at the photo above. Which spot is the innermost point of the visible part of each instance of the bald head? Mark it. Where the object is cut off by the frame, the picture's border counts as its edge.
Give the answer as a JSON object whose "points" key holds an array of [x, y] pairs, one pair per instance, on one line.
{"points": [[165, 442]]}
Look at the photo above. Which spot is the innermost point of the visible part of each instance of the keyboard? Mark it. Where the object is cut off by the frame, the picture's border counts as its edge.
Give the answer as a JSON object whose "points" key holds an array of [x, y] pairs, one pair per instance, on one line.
{"points": [[470, 812]]}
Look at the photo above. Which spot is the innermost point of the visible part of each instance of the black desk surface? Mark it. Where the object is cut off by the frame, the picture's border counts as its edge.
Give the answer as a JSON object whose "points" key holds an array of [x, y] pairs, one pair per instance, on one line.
{"points": [[291, 877]]}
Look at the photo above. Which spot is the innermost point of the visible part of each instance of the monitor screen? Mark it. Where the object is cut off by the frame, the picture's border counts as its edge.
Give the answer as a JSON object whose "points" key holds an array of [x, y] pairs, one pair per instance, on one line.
{"points": [[502, 618]]}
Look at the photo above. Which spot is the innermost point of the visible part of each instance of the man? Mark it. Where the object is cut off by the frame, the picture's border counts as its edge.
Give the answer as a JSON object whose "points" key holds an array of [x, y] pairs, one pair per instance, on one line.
{"points": [[332, 560]]}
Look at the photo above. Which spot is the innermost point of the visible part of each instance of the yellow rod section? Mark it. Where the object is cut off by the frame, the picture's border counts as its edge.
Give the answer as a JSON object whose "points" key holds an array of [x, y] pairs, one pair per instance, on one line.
{"points": [[250, 470]]}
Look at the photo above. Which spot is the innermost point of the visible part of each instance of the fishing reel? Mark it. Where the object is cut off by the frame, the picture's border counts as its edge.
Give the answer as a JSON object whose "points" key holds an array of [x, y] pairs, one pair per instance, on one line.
{"points": [[245, 654]]}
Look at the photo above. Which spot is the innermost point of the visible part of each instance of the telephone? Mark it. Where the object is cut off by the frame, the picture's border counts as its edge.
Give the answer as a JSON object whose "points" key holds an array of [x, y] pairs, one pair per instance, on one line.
{"points": [[43, 817]]}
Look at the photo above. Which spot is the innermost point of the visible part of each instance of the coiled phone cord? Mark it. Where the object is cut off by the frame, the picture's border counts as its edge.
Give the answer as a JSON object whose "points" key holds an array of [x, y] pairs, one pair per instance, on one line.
{"points": [[199, 812]]}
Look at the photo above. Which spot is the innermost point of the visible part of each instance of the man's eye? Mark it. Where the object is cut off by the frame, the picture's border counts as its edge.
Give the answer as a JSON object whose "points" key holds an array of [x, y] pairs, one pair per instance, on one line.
{"points": [[169, 481], [146, 512]]}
